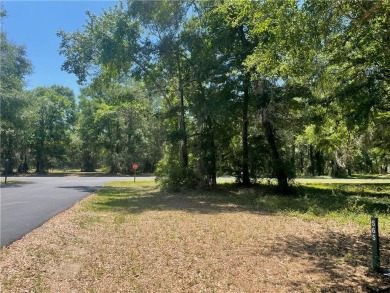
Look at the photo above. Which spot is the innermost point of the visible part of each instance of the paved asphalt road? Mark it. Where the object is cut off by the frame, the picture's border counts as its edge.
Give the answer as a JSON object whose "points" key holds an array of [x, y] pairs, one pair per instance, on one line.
{"points": [[27, 206]]}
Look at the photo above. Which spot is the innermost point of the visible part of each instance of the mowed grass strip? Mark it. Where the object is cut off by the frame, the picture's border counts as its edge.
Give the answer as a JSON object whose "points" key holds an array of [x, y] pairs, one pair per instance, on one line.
{"points": [[132, 237]]}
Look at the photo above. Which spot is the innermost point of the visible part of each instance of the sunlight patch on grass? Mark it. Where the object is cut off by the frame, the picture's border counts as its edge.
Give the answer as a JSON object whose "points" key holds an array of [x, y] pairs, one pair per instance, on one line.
{"points": [[119, 196], [139, 183]]}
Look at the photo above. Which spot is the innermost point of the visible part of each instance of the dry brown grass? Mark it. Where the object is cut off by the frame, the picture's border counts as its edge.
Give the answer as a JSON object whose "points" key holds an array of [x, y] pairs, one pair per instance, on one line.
{"points": [[176, 243]]}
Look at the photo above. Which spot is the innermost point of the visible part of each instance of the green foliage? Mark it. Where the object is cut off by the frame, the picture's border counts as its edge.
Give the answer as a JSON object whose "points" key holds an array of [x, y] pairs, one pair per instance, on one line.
{"points": [[13, 101], [105, 48], [116, 128], [249, 88], [171, 175], [52, 118], [270, 88], [14, 65], [255, 89]]}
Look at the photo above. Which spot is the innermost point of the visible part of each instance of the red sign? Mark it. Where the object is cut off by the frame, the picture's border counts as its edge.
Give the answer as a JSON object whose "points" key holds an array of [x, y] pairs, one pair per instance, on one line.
{"points": [[135, 166]]}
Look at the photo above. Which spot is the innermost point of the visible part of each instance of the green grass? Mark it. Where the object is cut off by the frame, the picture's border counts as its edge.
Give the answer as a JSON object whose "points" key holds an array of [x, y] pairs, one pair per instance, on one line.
{"points": [[352, 203], [119, 196], [355, 203], [354, 176], [12, 183], [371, 176]]}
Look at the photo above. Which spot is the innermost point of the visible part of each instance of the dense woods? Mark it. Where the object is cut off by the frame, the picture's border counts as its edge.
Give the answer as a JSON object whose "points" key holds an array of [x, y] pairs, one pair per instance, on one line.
{"points": [[191, 90]]}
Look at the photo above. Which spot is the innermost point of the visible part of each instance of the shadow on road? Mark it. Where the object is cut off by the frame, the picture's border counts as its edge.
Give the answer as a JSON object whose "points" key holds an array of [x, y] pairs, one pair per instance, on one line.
{"points": [[81, 188]]}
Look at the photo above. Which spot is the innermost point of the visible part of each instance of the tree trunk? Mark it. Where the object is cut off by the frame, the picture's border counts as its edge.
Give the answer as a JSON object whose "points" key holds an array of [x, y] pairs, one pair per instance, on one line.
{"points": [[312, 167], [208, 150], [301, 162], [212, 156], [337, 170], [278, 165], [319, 163], [245, 125], [8, 168], [246, 50], [40, 167], [39, 159], [88, 162], [23, 166], [182, 123]]}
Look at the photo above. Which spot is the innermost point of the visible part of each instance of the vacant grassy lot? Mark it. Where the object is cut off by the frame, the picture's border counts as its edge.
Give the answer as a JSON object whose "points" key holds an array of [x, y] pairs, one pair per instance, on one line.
{"points": [[131, 237]]}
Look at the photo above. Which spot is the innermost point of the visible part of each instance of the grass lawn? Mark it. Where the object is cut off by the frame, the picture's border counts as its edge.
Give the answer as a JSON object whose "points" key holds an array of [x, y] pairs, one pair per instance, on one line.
{"points": [[132, 237]]}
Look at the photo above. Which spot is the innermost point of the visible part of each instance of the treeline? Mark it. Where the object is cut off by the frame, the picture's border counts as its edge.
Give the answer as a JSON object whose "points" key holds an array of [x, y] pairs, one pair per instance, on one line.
{"points": [[196, 89]]}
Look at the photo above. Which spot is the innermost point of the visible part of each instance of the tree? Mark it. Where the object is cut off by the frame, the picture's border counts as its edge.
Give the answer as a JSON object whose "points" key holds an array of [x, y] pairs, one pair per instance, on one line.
{"points": [[14, 66], [267, 31], [116, 128], [360, 61], [53, 118], [112, 47], [351, 39], [164, 21], [235, 43], [265, 88], [86, 140]]}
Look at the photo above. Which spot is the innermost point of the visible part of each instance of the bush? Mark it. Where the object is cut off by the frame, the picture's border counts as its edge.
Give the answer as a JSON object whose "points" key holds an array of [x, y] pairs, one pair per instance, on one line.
{"points": [[172, 176]]}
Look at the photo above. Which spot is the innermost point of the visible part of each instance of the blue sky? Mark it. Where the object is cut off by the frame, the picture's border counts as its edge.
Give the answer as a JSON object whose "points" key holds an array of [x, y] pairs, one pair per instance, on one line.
{"points": [[35, 23]]}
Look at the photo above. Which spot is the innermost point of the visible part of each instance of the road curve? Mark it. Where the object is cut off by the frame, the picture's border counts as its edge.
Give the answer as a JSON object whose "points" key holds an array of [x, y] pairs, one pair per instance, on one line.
{"points": [[28, 205]]}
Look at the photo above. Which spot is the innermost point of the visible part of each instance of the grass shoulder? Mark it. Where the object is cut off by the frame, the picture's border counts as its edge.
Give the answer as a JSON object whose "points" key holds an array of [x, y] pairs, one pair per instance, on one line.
{"points": [[12, 183]]}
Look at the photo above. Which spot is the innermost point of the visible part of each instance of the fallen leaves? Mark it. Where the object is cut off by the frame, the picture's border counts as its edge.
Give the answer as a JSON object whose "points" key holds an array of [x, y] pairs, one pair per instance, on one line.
{"points": [[186, 249]]}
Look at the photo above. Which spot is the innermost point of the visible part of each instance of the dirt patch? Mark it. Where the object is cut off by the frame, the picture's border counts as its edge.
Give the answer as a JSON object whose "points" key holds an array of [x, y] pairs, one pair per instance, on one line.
{"points": [[184, 244]]}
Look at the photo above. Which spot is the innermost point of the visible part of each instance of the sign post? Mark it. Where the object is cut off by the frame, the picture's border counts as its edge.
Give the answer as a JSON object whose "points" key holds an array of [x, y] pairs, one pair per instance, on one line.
{"points": [[135, 167], [376, 264], [375, 245]]}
